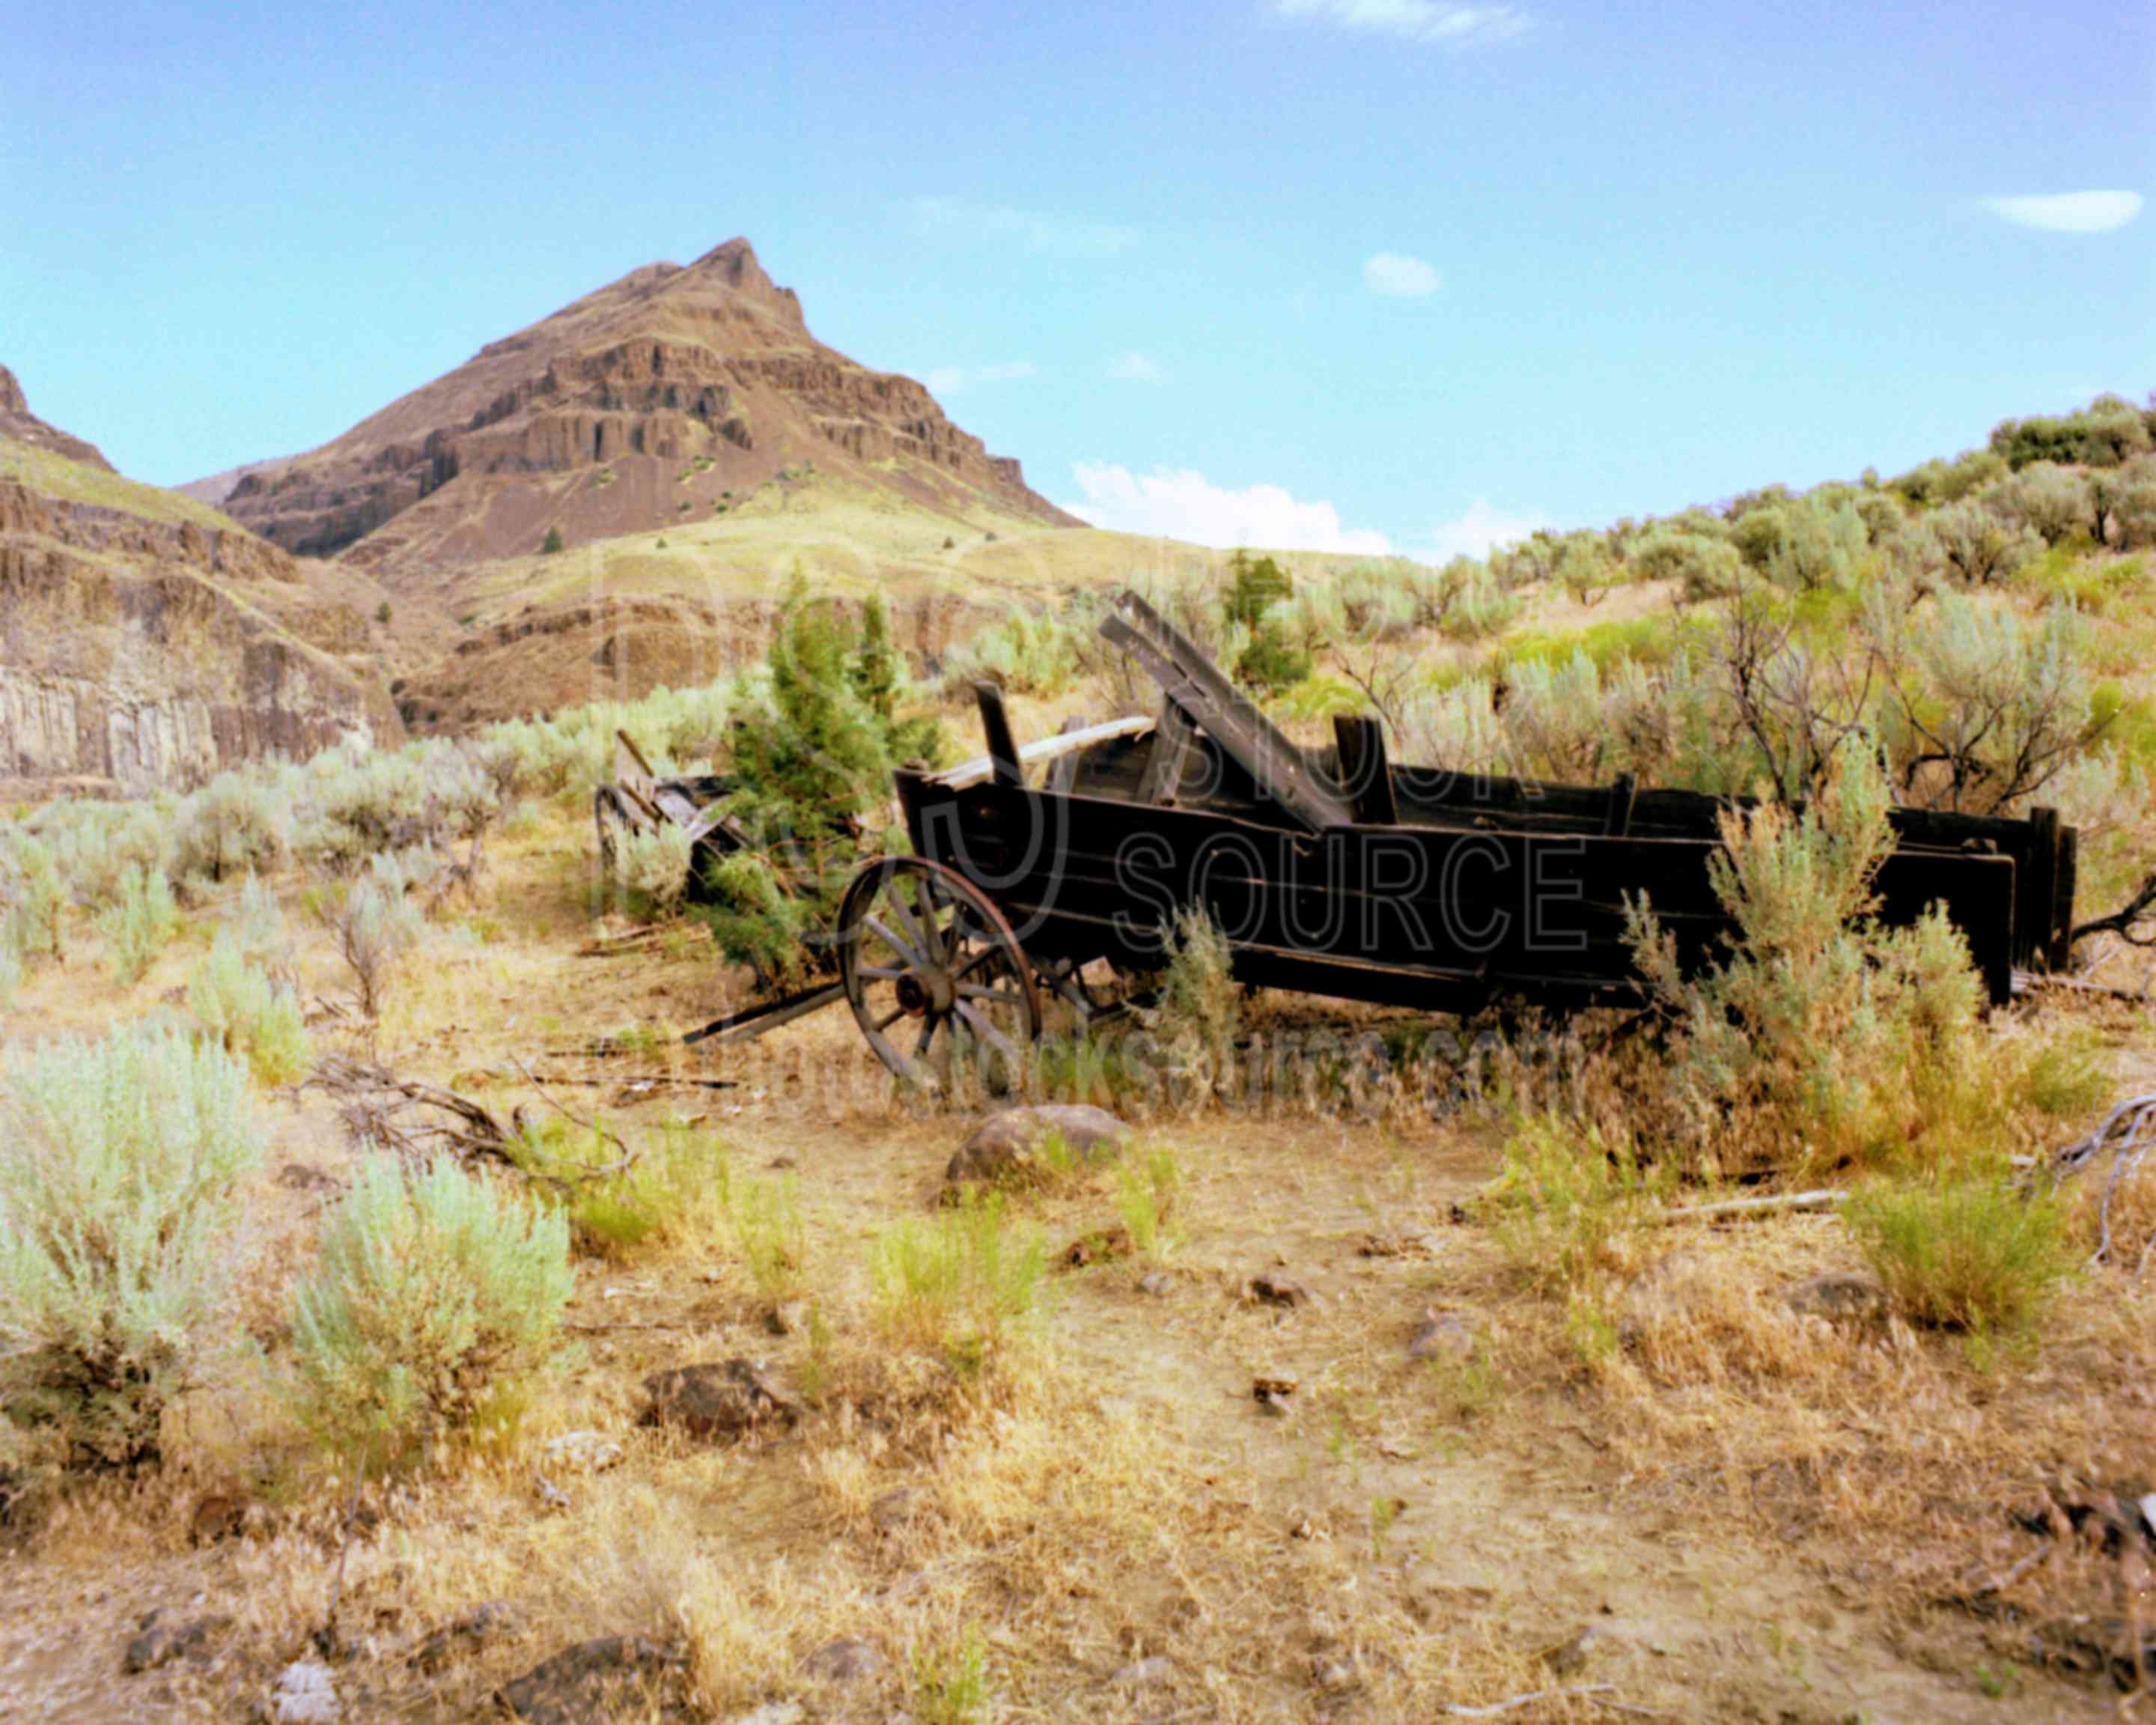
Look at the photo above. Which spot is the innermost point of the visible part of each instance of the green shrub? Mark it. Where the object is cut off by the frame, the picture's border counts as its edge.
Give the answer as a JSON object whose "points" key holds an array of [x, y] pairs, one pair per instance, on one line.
{"points": [[1974, 545], [652, 870], [1200, 1011], [117, 1196], [234, 825], [768, 1231], [1968, 1249], [138, 924], [957, 1285], [951, 1682], [2106, 432], [1025, 652], [1145, 1196], [2050, 501], [1255, 586], [1819, 1037], [1706, 566], [37, 895], [11, 962], [676, 1189], [248, 1012], [552, 542], [754, 919], [433, 1294], [1272, 662], [375, 926]]}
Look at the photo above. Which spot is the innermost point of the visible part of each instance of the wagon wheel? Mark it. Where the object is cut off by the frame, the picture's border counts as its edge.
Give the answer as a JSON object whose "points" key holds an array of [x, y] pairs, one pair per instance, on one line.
{"points": [[927, 960], [1064, 980]]}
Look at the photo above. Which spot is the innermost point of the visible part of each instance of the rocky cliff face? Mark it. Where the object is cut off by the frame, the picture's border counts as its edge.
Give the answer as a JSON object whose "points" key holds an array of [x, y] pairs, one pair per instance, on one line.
{"points": [[147, 642], [690, 386], [20, 425]]}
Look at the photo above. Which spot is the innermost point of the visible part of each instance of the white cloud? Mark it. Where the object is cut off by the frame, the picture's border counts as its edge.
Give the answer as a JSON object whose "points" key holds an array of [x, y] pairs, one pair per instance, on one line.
{"points": [[1393, 275], [1477, 530], [2069, 211], [1058, 236], [1435, 21], [955, 380], [1176, 503], [1135, 367]]}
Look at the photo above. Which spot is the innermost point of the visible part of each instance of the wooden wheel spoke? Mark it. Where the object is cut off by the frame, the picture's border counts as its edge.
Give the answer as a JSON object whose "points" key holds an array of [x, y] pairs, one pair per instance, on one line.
{"points": [[889, 1019], [927, 1036], [976, 991], [984, 1028], [915, 959], [882, 973]]}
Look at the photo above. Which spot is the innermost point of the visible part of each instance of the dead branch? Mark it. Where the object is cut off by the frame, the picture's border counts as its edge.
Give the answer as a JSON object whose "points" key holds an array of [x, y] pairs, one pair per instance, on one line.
{"points": [[2128, 1132], [621, 1164], [2123, 920], [413, 1118], [1780, 1202]]}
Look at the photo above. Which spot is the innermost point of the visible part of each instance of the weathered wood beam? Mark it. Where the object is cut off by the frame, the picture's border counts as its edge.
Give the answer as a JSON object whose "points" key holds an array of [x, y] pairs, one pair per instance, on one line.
{"points": [[981, 769]]}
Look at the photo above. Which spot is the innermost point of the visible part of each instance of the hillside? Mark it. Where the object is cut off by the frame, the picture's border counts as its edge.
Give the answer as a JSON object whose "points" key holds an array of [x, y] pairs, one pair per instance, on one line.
{"points": [[146, 641], [662, 396]]}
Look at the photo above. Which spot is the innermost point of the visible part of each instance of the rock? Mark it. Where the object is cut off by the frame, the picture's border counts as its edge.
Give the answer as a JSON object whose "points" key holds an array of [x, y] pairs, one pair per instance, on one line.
{"points": [[306, 1695], [491, 1620], [1158, 1283], [892, 1510], [160, 1642], [1571, 1655], [844, 1661], [773, 1712], [298, 1176], [1156, 1668], [583, 1452], [717, 1400], [1271, 1394], [788, 1317], [1332, 1674], [1442, 1336], [1838, 1295], [597, 1682], [1006, 1147], [1272, 1288], [1101, 1245], [218, 1516]]}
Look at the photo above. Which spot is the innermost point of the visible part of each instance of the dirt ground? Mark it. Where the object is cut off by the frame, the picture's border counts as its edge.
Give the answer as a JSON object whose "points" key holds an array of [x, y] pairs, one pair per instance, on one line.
{"points": [[1740, 1512]]}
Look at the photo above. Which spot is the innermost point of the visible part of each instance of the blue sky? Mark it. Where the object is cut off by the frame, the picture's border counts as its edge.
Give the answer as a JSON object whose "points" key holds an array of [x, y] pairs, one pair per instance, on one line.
{"points": [[1352, 272]]}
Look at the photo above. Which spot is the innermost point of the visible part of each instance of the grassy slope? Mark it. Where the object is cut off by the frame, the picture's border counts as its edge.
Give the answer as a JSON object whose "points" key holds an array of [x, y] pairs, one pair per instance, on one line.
{"points": [[57, 477]]}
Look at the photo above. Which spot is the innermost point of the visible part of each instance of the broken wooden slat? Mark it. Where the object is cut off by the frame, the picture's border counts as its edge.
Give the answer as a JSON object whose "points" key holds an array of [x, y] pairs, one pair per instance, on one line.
{"points": [[1365, 772], [1618, 821], [1063, 770], [1191, 681], [1005, 765], [1072, 743], [753, 1021], [1173, 738]]}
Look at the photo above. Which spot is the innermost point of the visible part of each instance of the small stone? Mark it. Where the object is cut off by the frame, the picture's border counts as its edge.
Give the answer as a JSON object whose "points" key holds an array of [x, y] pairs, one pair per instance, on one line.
{"points": [[1442, 1336], [1273, 1288], [551, 1495], [1158, 1668], [773, 1712], [218, 1516], [306, 1695], [490, 1620], [788, 1317], [893, 1510], [1006, 1147], [581, 1452], [160, 1643], [1838, 1295], [844, 1661], [593, 1682], [1333, 1674], [717, 1399], [298, 1176], [1571, 1654], [1157, 1283], [1272, 1395]]}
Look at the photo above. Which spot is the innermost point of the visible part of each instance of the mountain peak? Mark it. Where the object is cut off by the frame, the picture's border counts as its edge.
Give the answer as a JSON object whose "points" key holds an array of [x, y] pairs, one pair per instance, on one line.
{"points": [[17, 422]]}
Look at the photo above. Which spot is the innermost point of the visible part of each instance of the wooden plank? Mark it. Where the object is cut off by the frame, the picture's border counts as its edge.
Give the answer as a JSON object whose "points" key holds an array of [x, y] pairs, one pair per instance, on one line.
{"points": [[1005, 766], [2059, 947], [1618, 820], [1365, 771], [1224, 712], [2040, 879], [1063, 770], [1173, 738], [981, 769]]}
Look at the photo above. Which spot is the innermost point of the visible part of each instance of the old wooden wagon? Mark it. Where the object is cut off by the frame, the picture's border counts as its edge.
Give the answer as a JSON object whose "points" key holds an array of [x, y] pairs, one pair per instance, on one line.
{"points": [[1331, 871]]}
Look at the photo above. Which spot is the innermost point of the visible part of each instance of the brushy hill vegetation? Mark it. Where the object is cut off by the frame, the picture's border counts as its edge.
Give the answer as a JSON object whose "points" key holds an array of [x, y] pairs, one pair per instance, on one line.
{"points": [[954, 1395]]}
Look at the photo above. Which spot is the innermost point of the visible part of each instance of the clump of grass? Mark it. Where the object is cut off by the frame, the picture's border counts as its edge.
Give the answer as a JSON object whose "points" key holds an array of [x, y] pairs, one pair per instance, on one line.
{"points": [[1564, 1202], [375, 926], [774, 1243], [1969, 1250], [958, 1286], [1200, 1015], [1146, 1193], [950, 1680], [676, 1189], [434, 1294], [248, 1012], [118, 1191], [138, 924], [652, 869]]}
